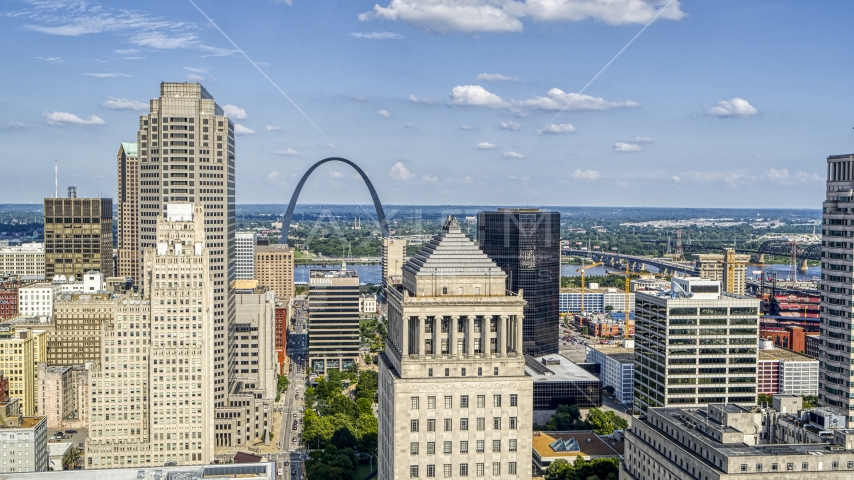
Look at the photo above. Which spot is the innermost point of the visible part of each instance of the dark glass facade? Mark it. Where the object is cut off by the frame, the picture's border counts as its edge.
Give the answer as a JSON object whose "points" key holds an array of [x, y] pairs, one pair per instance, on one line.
{"points": [[582, 393], [525, 243]]}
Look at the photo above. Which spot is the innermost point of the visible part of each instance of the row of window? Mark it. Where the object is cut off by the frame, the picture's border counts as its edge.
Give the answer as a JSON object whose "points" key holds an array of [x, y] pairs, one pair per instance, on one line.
{"points": [[480, 424], [415, 402], [447, 469], [447, 447]]}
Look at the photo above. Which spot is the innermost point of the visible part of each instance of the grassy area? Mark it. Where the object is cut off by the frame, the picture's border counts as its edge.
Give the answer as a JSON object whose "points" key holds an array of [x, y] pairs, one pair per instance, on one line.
{"points": [[299, 254], [363, 470]]}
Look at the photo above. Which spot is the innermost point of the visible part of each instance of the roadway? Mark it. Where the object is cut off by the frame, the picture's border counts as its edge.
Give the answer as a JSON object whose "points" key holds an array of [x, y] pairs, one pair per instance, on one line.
{"points": [[291, 405]]}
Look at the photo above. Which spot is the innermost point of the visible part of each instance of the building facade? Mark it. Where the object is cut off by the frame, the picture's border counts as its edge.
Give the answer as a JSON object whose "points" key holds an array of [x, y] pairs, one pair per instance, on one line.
{"points": [[617, 369], [596, 300], [525, 244], [25, 260], [23, 439], [55, 394], [782, 371], [333, 319], [274, 269], [78, 235], [244, 251], [558, 381], [837, 344], [128, 255], [695, 345], [454, 400], [8, 302], [20, 351], [394, 256], [729, 268], [78, 318]]}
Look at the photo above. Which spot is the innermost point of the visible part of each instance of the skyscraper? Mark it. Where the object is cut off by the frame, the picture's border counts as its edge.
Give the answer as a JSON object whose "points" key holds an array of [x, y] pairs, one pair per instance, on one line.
{"points": [[127, 211], [394, 255], [836, 364], [525, 243], [454, 399], [244, 255], [274, 269], [333, 319], [186, 155], [78, 235]]}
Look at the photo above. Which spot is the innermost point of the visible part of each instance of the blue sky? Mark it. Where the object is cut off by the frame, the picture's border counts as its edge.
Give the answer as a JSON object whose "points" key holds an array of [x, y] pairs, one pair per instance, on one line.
{"points": [[727, 104]]}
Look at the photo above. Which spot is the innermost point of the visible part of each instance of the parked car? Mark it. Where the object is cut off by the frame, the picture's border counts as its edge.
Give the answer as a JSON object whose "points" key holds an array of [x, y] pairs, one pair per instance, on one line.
{"points": [[71, 432]]}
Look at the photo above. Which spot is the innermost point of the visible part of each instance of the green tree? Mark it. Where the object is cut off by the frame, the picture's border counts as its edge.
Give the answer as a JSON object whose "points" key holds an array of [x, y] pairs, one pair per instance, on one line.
{"points": [[595, 469], [339, 404], [283, 383], [367, 385], [764, 399], [333, 380], [365, 406], [343, 438], [604, 423], [71, 458], [310, 396], [809, 401]]}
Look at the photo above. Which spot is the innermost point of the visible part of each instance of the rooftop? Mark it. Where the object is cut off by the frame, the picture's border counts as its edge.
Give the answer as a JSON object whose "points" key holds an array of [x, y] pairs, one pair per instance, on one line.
{"points": [[57, 368], [451, 253], [58, 449], [265, 471], [556, 368], [594, 290], [783, 354], [333, 274], [272, 248], [617, 352], [590, 444]]}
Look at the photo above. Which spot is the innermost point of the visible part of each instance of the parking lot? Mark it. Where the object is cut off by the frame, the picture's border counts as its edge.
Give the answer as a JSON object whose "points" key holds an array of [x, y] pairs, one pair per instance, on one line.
{"points": [[76, 439]]}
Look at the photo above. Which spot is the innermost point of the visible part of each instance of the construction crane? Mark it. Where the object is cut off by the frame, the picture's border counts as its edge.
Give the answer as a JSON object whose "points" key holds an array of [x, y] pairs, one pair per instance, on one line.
{"points": [[582, 270], [626, 325]]}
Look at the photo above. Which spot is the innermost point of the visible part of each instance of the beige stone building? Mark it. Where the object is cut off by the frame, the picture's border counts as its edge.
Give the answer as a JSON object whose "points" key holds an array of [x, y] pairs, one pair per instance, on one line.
{"points": [[729, 268], [127, 211], [26, 260], [394, 255], [56, 393], [76, 338], [274, 268], [454, 400], [78, 235], [20, 350]]}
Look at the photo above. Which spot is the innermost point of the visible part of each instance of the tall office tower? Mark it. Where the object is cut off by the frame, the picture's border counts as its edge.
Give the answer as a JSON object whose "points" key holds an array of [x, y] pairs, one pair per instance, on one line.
{"points": [[333, 319], [394, 255], [245, 255], [695, 345], [730, 268], [274, 269], [525, 243], [76, 337], [836, 366], [78, 235], [454, 400], [186, 155], [127, 211], [20, 350]]}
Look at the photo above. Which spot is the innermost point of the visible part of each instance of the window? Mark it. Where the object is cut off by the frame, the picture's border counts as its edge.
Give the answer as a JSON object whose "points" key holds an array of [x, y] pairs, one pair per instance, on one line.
{"points": [[479, 446], [413, 448], [512, 445], [413, 425], [449, 401], [464, 401], [431, 424], [431, 448], [464, 469], [429, 372], [790, 466], [743, 467], [464, 424], [431, 470], [481, 423], [413, 471], [806, 465], [850, 465], [478, 469], [511, 468], [464, 446], [479, 369], [758, 467], [481, 401], [514, 400], [834, 465], [496, 468], [496, 445], [446, 447], [446, 470], [431, 403], [495, 371], [496, 423], [447, 372], [413, 403], [448, 426], [774, 467], [444, 290], [496, 400], [463, 371], [512, 423]]}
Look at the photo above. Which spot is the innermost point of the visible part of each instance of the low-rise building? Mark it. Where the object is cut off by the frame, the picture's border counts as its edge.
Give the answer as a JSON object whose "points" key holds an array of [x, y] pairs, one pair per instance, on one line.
{"points": [[56, 453], [23, 439], [558, 381], [784, 371], [368, 304], [617, 369], [596, 300], [570, 446], [812, 346], [25, 260], [37, 300]]}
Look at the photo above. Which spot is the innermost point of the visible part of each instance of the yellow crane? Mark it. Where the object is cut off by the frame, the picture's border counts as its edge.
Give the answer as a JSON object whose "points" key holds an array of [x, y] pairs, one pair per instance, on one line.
{"points": [[583, 269]]}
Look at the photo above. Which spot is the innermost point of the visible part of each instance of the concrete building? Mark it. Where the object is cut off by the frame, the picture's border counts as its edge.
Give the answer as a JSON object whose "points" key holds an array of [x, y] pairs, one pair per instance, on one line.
{"points": [[23, 439], [368, 304], [274, 269], [568, 446], [617, 369], [244, 251], [78, 235], [729, 268], [20, 350], [784, 371], [723, 442], [194, 165], [78, 318], [695, 345], [241, 471], [128, 254], [25, 260], [558, 381], [648, 283], [596, 300], [333, 319], [394, 256], [56, 393], [56, 452], [454, 400], [525, 244], [8, 302], [837, 344], [37, 300]]}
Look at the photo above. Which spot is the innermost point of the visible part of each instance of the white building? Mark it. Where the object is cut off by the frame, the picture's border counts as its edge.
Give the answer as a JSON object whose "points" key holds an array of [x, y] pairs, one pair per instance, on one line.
{"points": [[23, 440], [596, 300], [37, 300], [782, 371], [454, 400], [244, 255], [617, 369], [368, 304], [25, 260]]}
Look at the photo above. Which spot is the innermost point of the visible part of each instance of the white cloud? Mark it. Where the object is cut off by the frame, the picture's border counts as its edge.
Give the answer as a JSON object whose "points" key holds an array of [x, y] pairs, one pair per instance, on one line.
{"points": [[626, 147], [429, 179], [637, 139], [783, 177], [196, 70], [736, 107], [336, 174], [359, 98], [127, 51], [556, 99], [400, 172], [290, 152], [195, 78], [289, 3], [485, 146], [476, 96], [378, 35], [675, 179], [384, 113], [272, 128], [505, 16], [234, 112], [557, 129], [106, 75], [62, 118], [426, 101], [216, 51], [466, 127], [496, 77], [512, 154], [125, 104], [466, 179], [408, 126], [11, 125], [242, 130], [275, 178], [587, 175], [511, 126], [49, 59], [162, 41]]}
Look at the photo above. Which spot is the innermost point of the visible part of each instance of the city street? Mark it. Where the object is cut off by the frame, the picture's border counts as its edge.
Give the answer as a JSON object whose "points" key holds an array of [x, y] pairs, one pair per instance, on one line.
{"points": [[289, 460]]}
